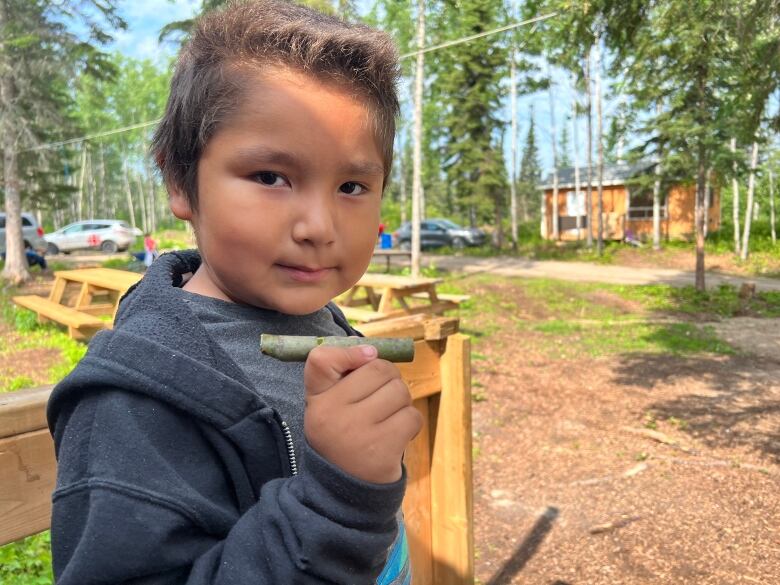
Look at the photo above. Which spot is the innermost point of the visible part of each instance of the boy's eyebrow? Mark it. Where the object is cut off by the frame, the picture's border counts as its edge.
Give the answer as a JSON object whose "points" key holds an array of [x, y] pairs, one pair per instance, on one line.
{"points": [[282, 157]]}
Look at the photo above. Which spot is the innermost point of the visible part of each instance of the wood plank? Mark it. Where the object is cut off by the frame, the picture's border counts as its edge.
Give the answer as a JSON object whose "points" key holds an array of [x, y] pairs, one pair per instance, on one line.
{"points": [[27, 476], [451, 473], [378, 280], [56, 312], [423, 375], [57, 290], [417, 502], [23, 411], [420, 326], [362, 315], [444, 297]]}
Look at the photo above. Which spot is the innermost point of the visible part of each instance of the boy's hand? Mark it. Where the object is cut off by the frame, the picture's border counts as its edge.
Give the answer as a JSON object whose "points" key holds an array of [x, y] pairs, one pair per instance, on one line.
{"points": [[359, 413]]}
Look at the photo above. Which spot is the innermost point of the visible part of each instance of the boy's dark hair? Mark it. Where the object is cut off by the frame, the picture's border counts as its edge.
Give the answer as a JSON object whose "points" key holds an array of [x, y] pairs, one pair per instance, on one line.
{"points": [[242, 38]]}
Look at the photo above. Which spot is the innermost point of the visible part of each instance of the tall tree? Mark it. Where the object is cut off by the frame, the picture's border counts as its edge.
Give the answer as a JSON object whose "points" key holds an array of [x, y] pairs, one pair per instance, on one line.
{"points": [[38, 56], [471, 88], [417, 160], [530, 169]]}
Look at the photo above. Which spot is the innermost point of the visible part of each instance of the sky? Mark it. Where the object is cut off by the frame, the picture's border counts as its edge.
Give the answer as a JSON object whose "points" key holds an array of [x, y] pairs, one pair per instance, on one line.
{"points": [[144, 19]]}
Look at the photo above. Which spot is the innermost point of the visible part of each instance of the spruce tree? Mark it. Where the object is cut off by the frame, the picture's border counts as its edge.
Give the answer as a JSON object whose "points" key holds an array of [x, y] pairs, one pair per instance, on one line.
{"points": [[530, 172], [469, 83]]}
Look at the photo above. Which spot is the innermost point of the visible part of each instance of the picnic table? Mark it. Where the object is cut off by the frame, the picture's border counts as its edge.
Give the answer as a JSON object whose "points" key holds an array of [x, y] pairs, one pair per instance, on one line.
{"points": [[392, 296], [96, 300]]}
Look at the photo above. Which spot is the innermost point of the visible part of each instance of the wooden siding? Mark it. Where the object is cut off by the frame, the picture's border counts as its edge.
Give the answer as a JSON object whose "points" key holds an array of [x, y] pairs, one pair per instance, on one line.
{"points": [[678, 225]]}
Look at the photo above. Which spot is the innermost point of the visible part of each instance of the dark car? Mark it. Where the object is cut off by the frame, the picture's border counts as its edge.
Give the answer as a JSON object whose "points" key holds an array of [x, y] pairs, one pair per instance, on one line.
{"points": [[435, 233]]}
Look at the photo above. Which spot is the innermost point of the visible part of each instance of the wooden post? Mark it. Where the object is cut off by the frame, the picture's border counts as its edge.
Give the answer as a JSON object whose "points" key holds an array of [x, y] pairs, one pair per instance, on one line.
{"points": [[451, 476]]}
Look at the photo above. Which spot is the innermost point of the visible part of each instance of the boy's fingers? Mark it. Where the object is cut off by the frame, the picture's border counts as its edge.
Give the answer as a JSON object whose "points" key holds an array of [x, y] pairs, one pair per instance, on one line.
{"points": [[327, 365]]}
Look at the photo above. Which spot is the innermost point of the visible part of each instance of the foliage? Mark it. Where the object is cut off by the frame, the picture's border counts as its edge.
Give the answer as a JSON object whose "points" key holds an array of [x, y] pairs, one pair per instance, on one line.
{"points": [[39, 57], [530, 173], [27, 562]]}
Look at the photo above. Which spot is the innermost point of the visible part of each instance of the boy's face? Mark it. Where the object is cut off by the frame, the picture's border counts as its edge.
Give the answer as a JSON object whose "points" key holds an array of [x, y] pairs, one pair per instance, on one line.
{"points": [[289, 192]]}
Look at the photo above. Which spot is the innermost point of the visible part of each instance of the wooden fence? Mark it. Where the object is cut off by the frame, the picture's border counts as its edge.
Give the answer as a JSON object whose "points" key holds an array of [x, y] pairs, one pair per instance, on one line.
{"points": [[438, 504]]}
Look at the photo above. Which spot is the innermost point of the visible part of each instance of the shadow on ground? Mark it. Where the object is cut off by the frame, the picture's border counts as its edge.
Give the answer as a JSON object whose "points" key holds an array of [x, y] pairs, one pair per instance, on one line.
{"points": [[726, 401], [526, 549]]}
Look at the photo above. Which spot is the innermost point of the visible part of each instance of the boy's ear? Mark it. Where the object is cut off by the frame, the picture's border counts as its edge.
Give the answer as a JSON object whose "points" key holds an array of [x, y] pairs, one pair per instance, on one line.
{"points": [[179, 204]]}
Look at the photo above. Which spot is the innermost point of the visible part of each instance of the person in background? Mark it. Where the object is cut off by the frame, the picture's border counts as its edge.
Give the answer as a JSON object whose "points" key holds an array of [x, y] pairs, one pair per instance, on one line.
{"points": [[150, 249]]}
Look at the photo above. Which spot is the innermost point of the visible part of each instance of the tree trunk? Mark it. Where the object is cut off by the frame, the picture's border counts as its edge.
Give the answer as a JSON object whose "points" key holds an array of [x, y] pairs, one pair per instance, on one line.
{"points": [[589, 153], [575, 158], [499, 219], [404, 193], [707, 203], [657, 207], [750, 199], [735, 202], [103, 199], [599, 137], [130, 208], [700, 187], [556, 232], [513, 164], [142, 201], [657, 193], [417, 163], [772, 207], [15, 269], [80, 201]]}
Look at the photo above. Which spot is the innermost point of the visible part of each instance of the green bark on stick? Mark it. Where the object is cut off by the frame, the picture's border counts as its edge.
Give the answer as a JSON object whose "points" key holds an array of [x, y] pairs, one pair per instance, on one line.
{"points": [[295, 348]]}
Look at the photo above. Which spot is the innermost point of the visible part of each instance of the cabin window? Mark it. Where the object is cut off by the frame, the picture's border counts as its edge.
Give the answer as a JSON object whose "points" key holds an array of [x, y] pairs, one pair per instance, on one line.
{"points": [[641, 205]]}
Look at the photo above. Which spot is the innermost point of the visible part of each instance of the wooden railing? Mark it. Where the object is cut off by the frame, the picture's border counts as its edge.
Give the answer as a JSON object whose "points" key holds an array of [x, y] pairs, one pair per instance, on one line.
{"points": [[438, 503]]}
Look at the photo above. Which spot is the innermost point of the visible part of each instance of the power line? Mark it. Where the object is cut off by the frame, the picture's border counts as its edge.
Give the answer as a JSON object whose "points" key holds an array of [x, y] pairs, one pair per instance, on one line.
{"points": [[479, 35], [51, 145]]}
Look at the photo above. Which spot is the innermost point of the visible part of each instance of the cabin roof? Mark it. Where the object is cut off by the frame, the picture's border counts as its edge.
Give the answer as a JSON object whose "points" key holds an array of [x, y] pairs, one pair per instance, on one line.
{"points": [[614, 174]]}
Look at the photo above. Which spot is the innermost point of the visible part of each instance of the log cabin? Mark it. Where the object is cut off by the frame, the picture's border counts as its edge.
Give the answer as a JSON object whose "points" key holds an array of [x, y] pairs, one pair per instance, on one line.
{"points": [[628, 207]]}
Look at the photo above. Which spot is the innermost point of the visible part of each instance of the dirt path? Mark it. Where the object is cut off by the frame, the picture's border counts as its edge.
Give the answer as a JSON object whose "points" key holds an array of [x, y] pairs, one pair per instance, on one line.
{"points": [[585, 272], [635, 468]]}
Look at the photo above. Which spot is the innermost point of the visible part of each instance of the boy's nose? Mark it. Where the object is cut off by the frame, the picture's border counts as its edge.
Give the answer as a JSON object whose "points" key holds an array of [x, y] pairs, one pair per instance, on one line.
{"points": [[315, 222]]}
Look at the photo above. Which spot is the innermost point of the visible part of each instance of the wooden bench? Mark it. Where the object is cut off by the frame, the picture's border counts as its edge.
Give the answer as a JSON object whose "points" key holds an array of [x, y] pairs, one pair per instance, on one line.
{"points": [[444, 297], [79, 324], [438, 503], [369, 316]]}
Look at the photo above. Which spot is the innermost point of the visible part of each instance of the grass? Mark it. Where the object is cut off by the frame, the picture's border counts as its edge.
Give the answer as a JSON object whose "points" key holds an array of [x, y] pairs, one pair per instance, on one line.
{"points": [[595, 320], [610, 338], [27, 561]]}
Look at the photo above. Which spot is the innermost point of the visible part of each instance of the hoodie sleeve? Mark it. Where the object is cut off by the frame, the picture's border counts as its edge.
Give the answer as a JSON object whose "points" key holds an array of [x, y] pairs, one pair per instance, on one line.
{"points": [[144, 497]]}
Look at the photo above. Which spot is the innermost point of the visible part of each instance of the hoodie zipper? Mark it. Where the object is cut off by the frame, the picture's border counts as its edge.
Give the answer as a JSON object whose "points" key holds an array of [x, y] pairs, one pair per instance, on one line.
{"points": [[290, 448]]}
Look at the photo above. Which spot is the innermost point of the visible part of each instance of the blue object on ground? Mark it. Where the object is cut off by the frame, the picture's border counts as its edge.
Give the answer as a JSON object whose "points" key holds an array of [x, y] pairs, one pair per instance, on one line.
{"points": [[386, 241]]}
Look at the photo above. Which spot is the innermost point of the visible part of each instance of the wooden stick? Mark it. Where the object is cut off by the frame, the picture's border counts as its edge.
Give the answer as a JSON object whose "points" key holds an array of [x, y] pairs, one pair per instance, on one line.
{"points": [[296, 348]]}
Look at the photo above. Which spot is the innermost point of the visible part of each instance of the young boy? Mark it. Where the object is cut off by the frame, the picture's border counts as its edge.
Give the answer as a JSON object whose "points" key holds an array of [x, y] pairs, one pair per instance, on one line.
{"points": [[186, 456]]}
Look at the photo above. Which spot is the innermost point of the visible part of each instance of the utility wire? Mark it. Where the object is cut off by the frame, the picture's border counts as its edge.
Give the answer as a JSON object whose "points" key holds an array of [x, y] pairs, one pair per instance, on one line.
{"points": [[51, 145], [479, 35]]}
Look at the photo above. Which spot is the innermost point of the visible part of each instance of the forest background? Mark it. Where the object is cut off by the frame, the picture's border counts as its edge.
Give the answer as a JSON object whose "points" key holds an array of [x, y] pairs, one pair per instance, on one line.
{"points": [[691, 87]]}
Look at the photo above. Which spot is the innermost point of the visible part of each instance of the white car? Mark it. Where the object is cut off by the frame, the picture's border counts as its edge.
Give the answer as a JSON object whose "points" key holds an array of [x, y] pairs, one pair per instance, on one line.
{"points": [[106, 235]]}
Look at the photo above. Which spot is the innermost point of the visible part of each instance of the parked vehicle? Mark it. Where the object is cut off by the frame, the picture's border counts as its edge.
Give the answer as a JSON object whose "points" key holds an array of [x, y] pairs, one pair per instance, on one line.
{"points": [[31, 232], [435, 233], [106, 235]]}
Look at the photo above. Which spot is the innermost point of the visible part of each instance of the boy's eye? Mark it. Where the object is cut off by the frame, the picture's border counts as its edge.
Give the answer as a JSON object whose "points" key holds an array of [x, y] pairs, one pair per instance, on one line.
{"points": [[270, 179], [352, 188]]}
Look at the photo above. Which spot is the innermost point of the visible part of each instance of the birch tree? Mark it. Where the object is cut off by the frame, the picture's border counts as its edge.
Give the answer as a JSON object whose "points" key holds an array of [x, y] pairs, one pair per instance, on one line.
{"points": [[417, 160], [750, 202]]}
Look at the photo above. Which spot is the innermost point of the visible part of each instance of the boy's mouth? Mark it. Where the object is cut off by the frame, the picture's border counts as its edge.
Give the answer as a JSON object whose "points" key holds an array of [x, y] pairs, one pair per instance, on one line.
{"points": [[305, 273]]}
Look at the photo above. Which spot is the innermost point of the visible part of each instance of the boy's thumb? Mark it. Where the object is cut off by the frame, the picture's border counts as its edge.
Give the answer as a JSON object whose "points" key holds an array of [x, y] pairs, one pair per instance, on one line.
{"points": [[327, 365]]}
